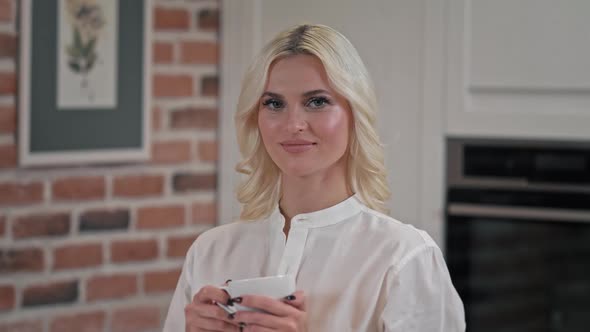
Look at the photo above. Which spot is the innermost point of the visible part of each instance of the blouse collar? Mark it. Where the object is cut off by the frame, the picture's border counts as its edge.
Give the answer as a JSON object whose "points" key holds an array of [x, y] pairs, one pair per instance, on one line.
{"points": [[325, 217]]}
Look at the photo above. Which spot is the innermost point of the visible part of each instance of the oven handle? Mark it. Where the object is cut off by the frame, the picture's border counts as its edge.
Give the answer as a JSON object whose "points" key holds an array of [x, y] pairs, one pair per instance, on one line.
{"points": [[518, 212]]}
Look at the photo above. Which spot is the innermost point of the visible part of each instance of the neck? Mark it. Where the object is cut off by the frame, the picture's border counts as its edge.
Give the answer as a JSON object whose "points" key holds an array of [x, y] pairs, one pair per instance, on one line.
{"points": [[312, 193]]}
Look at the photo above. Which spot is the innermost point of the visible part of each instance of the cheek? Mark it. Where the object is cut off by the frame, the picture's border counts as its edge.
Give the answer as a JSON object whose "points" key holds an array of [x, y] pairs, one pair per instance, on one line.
{"points": [[267, 128], [335, 127]]}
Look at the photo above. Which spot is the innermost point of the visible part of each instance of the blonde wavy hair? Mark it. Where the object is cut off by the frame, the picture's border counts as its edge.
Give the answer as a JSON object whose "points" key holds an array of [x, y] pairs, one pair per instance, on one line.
{"points": [[260, 191]]}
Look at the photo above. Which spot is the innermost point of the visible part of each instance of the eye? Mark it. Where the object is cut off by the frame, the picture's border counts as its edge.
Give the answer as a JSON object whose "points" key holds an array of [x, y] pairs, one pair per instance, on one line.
{"points": [[317, 102], [273, 104]]}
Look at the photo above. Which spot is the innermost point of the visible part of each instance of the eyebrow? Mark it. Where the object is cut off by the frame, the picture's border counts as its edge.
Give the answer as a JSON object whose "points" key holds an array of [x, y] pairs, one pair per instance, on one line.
{"points": [[306, 94]]}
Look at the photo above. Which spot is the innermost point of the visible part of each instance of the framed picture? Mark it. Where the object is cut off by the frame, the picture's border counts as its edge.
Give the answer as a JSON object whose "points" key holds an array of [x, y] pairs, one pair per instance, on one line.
{"points": [[85, 81]]}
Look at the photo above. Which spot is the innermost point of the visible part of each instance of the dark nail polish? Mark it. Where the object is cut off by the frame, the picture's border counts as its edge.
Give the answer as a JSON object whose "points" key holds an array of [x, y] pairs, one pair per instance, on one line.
{"points": [[290, 297], [237, 299], [231, 316]]}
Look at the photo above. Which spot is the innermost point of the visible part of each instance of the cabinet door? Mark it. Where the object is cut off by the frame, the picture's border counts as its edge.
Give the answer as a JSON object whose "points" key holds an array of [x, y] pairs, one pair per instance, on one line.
{"points": [[519, 68]]}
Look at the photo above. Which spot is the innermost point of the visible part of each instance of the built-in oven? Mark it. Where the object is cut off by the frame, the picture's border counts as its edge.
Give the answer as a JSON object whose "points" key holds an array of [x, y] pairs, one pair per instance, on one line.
{"points": [[518, 234]]}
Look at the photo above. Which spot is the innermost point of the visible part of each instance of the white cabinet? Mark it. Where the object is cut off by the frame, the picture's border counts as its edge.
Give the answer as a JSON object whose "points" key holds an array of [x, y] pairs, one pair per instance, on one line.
{"points": [[518, 68]]}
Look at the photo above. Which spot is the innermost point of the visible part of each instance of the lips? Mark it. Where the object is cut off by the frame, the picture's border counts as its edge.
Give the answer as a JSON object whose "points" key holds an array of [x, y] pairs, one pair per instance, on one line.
{"points": [[297, 146]]}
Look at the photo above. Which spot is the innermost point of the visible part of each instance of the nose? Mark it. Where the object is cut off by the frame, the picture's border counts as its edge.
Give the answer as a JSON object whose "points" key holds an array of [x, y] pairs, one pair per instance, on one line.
{"points": [[296, 120]]}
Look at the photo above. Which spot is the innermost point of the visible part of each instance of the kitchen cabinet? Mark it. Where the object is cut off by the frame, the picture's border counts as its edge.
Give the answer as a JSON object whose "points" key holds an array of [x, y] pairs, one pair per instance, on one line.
{"points": [[518, 69]]}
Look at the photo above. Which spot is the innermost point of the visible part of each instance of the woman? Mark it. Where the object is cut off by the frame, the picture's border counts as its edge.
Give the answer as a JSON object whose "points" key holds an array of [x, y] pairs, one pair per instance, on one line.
{"points": [[313, 197]]}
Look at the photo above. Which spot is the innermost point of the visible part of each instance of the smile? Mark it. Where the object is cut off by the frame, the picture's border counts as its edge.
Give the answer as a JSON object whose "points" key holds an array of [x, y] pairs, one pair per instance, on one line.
{"points": [[297, 147]]}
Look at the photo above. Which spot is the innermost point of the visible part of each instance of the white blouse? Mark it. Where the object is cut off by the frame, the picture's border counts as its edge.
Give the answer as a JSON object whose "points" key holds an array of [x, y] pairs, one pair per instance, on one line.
{"points": [[360, 270]]}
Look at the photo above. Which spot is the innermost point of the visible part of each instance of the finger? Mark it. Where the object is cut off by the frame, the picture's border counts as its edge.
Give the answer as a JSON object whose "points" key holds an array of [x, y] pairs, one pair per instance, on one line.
{"points": [[208, 311], [297, 300], [257, 328], [261, 319], [268, 304], [210, 294], [209, 324]]}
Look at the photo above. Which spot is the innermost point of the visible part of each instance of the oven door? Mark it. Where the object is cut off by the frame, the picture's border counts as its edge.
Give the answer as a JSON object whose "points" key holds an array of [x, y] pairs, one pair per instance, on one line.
{"points": [[520, 269]]}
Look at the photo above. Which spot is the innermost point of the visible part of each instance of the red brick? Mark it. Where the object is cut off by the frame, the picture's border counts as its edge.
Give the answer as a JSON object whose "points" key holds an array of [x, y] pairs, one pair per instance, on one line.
{"points": [[179, 245], [163, 52], [79, 188], [138, 185], [7, 45], [79, 322], [209, 86], [77, 256], [7, 120], [194, 118], [8, 156], [21, 260], [171, 19], [20, 193], [160, 217], [137, 319], [22, 326], [104, 220], [41, 225], [208, 19], [134, 250], [204, 213], [7, 84], [50, 293], [199, 52], [173, 85], [208, 151], [111, 287], [7, 297], [185, 182], [160, 281], [171, 152], [6, 10]]}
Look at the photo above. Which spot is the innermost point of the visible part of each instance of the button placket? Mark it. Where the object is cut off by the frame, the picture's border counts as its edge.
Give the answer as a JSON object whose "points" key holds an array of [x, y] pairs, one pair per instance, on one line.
{"points": [[293, 250]]}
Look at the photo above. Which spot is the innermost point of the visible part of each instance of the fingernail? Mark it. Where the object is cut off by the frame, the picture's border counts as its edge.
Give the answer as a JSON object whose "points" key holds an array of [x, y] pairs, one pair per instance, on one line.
{"points": [[290, 297], [231, 316], [237, 299]]}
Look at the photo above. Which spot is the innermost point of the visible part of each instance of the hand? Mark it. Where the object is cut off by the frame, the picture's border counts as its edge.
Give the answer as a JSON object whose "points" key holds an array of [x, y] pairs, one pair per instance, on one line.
{"points": [[285, 315], [202, 314]]}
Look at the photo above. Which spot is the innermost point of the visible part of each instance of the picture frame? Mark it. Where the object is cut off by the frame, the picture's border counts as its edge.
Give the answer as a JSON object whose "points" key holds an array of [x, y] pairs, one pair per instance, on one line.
{"points": [[84, 82]]}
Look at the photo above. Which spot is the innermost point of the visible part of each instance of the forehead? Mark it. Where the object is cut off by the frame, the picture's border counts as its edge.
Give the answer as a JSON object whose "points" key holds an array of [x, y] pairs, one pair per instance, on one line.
{"points": [[297, 73]]}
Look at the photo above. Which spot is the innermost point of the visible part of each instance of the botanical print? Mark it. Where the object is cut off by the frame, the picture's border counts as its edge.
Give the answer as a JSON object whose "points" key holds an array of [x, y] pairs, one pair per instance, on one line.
{"points": [[87, 54]]}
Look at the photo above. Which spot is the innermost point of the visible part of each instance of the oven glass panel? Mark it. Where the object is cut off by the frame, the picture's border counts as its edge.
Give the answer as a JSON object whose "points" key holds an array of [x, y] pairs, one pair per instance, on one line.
{"points": [[517, 275]]}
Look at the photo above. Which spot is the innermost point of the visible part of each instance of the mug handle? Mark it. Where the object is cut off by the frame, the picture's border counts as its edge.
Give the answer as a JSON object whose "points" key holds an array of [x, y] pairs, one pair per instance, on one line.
{"points": [[229, 309]]}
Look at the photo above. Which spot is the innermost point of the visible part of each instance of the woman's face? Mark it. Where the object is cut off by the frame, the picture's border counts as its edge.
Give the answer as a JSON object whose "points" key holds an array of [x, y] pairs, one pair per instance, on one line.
{"points": [[303, 122]]}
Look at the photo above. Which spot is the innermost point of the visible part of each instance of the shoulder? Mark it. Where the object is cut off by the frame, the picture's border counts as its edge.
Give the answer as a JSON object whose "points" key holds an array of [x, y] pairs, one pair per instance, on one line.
{"points": [[402, 241]]}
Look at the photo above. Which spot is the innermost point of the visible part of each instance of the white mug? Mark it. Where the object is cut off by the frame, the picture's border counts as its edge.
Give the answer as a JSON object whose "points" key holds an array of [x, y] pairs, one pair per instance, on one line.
{"points": [[276, 287]]}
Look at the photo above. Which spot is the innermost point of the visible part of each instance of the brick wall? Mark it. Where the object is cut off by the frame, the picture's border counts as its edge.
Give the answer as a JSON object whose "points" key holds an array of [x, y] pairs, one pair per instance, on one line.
{"points": [[100, 248]]}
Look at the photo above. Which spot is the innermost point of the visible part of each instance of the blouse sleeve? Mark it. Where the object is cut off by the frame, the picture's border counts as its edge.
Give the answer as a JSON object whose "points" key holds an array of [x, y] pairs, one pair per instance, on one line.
{"points": [[182, 297], [421, 296]]}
